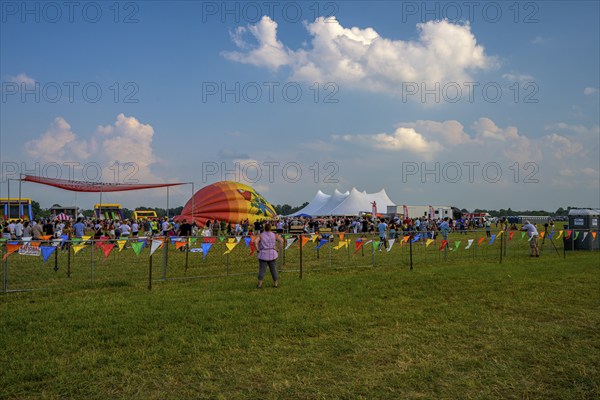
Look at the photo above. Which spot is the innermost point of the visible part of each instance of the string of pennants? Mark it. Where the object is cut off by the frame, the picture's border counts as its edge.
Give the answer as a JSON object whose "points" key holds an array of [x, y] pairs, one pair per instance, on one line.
{"points": [[29, 247]]}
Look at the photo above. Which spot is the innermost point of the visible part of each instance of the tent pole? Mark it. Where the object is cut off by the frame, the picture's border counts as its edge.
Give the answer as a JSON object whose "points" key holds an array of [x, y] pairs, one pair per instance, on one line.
{"points": [[167, 203], [19, 206], [193, 220], [8, 194]]}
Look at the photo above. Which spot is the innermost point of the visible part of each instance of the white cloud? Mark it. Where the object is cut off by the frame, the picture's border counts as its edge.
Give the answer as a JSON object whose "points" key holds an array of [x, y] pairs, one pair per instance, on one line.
{"points": [[361, 58], [516, 77], [401, 139], [125, 141], [450, 132], [22, 79], [563, 147], [514, 146], [590, 90]]}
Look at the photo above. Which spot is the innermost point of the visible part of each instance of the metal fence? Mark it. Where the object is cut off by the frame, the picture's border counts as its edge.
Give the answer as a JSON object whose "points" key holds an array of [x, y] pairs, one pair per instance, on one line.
{"points": [[95, 263]]}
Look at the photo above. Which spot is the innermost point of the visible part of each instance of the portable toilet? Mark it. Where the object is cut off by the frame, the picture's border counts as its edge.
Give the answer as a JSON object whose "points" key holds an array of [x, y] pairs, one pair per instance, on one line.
{"points": [[582, 223]]}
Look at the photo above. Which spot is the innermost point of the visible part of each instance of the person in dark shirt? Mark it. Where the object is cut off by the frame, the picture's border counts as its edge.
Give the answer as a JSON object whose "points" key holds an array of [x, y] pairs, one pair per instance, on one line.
{"points": [[185, 229], [48, 228]]}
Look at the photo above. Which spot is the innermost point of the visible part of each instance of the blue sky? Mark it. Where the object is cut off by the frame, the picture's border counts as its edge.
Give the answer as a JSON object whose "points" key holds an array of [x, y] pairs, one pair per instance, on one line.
{"points": [[179, 100]]}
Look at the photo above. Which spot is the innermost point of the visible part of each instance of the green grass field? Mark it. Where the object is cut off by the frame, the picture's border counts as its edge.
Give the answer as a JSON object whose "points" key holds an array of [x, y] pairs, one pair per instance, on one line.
{"points": [[467, 327]]}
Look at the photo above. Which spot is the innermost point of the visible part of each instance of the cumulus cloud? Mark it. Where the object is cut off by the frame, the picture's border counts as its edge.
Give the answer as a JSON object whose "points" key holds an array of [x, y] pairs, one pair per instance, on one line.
{"points": [[514, 146], [450, 132], [127, 141], [590, 90], [516, 77], [361, 58]]}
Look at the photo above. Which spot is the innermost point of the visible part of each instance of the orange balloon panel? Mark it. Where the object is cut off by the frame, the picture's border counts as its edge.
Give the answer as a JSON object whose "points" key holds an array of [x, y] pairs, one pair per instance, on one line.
{"points": [[226, 201]]}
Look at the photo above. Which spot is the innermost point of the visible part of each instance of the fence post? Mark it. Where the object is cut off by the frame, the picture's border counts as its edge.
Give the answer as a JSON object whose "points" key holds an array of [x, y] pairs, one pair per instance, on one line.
{"points": [[501, 245], [92, 263], [69, 261], [165, 258], [300, 237], [372, 250], [4, 268], [410, 250], [150, 272]]}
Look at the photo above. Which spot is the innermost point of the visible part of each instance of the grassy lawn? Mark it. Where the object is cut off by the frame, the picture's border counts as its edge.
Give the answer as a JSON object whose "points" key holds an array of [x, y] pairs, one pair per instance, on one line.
{"points": [[526, 328]]}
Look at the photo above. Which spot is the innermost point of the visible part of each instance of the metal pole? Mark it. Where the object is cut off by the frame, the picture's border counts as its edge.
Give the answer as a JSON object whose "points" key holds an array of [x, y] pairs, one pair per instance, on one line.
{"points": [[92, 263], [501, 245], [373, 251], [8, 194], [19, 206], [193, 220], [167, 203], [410, 249], [300, 237], [69, 261], [165, 258], [187, 253], [150, 273]]}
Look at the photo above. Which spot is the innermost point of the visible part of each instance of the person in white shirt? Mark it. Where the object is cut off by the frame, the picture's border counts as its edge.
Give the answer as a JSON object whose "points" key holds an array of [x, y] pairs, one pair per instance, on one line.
{"points": [[532, 234], [125, 230], [135, 228]]}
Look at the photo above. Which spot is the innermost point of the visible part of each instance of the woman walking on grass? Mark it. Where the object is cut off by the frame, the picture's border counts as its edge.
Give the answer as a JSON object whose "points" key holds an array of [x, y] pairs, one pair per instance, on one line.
{"points": [[266, 243]]}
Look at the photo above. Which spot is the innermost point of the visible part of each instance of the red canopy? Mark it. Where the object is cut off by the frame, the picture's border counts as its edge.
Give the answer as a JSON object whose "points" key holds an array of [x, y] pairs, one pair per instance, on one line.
{"points": [[81, 186]]}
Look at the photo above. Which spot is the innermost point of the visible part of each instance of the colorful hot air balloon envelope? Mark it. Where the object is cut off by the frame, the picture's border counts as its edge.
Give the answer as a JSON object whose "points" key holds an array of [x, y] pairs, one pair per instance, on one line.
{"points": [[227, 201]]}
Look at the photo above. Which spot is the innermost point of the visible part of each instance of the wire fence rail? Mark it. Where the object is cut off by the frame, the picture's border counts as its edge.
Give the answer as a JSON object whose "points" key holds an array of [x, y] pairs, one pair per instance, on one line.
{"points": [[89, 262]]}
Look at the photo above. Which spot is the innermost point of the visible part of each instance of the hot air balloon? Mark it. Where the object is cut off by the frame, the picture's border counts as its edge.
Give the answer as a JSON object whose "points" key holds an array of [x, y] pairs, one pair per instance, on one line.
{"points": [[227, 201]]}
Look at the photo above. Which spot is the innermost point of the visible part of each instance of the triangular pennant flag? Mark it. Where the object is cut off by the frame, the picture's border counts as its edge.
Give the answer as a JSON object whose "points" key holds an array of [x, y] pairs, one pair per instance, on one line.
{"points": [[205, 249], [35, 243], [289, 242], [522, 235], [85, 238], [210, 240], [342, 236], [64, 238], [391, 243], [444, 244], [584, 235], [78, 247], [230, 246], [499, 233], [252, 248], [343, 243], [313, 237], [480, 241], [221, 238], [286, 237], [469, 243], [46, 251], [180, 244], [26, 239], [56, 242], [568, 235], [76, 240], [358, 244], [247, 240], [304, 240], [576, 235], [551, 234], [428, 242], [510, 235], [107, 248], [492, 239], [230, 240], [47, 237], [121, 243], [137, 247], [192, 240], [173, 240], [376, 244], [11, 248], [155, 245], [237, 239], [321, 243], [368, 241], [542, 234], [594, 235], [456, 245], [416, 238], [405, 239]]}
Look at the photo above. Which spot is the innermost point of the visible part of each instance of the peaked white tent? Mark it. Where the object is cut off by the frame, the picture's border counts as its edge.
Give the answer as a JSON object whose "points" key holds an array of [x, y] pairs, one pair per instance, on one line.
{"points": [[348, 203], [317, 202]]}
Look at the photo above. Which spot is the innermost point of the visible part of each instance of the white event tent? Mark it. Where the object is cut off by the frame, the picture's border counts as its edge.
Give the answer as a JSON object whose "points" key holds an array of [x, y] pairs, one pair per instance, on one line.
{"points": [[345, 204]]}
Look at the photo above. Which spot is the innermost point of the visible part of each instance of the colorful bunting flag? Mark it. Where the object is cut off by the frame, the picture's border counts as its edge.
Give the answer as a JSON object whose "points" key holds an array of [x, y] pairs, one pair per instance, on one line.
{"points": [[155, 245], [376, 244], [107, 248], [391, 243], [121, 243], [584, 235], [247, 240], [238, 238], [192, 240], [469, 243], [304, 240], [85, 238], [313, 237], [221, 238], [428, 242], [510, 235], [252, 248], [499, 233], [78, 247], [594, 235], [11, 248], [210, 240], [47, 251], [230, 240], [456, 245], [205, 249], [35, 243], [416, 238], [342, 236], [26, 239], [480, 241], [444, 244], [358, 244], [230, 246], [522, 235], [47, 237], [576, 235], [321, 243], [76, 240], [56, 242], [289, 242], [492, 239], [405, 239], [342, 243], [550, 235], [542, 234], [137, 247], [568, 235], [180, 244]]}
